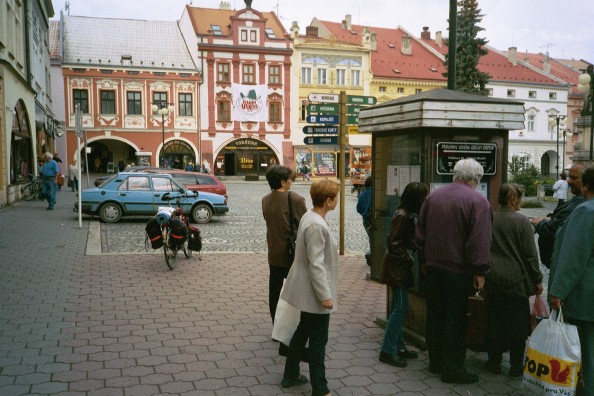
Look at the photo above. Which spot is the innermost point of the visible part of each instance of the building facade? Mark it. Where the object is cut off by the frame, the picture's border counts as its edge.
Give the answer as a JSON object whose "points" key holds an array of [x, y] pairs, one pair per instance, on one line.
{"points": [[245, 57], [121, 83]]}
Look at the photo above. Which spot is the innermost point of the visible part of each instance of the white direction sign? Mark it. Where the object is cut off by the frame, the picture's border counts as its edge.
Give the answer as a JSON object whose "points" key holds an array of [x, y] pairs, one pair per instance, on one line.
{"points": [[326, 98]]}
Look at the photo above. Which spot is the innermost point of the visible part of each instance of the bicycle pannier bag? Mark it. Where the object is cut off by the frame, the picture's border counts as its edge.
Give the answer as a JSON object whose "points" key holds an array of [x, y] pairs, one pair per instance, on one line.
{"points": [[194, 239], [178, 232], [154, 234]]}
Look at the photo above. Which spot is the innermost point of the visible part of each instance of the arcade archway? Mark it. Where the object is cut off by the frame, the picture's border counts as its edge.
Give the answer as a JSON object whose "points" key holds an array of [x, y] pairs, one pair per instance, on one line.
{"points": [[244, 156]]}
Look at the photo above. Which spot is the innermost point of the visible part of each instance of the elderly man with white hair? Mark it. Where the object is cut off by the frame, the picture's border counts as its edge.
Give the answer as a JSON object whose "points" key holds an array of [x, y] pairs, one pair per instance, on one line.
{"points": [[50, 173], [453, 235]]}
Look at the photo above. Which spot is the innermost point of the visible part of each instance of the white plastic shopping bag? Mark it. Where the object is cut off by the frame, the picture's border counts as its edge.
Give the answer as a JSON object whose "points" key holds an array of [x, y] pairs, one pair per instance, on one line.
{"points": [[286, 320], [552, 357]]}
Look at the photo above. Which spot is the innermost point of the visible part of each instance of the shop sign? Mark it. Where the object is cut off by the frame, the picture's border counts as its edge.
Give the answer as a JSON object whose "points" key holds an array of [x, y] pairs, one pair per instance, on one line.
{"points": [[448, 153], [246, 144]]}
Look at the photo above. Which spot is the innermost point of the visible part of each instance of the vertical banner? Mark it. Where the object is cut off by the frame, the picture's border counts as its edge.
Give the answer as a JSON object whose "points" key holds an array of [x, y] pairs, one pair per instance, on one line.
{"points": [[249, 103]]}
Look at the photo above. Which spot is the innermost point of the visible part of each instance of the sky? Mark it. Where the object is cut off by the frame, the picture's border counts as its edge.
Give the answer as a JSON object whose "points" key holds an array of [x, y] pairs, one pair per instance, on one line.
{"points": [[561, 28]]}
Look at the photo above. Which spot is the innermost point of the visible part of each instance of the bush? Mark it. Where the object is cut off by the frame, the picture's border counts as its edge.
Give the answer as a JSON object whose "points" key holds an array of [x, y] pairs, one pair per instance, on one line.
{"points": [[529, 177], [532, 203]]}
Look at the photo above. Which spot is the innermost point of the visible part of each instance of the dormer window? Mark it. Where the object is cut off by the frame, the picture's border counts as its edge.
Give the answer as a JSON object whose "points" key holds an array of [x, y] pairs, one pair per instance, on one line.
{"points": [[248, 35], [216, 30], [270, 33]]}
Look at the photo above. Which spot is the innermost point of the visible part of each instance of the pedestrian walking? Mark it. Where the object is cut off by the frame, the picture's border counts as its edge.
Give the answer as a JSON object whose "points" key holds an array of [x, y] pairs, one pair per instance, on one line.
{"points": [[364, 209], [453, 235], [560, 189], [546, 227], [311, 288], [50, 172], [571, 280], [73, 175], [397, 272], [514, 277], [275, 209]]}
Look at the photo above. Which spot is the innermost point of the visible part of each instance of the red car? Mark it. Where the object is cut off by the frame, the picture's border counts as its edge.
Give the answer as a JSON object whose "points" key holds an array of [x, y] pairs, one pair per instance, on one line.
{"points": [[195, 181]]}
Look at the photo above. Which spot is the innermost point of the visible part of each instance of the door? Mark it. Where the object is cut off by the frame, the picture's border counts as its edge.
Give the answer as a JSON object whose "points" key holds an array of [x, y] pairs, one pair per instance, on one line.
{"points": [[136, 195], [229, 164]]}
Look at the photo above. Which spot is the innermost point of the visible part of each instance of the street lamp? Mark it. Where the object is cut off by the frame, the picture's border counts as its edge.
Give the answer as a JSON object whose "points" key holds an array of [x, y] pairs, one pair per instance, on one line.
{"points": [[555, 119], [586, 85], [165, 109], [566, 132]]}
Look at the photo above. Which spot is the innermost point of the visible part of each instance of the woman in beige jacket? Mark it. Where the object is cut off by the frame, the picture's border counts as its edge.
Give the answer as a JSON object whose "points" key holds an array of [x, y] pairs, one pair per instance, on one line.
{"points": [[311, 287]]}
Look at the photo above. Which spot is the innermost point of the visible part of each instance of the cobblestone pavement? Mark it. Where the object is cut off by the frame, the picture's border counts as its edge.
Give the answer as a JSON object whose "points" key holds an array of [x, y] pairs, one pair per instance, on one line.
{"points": [[123, 324]]}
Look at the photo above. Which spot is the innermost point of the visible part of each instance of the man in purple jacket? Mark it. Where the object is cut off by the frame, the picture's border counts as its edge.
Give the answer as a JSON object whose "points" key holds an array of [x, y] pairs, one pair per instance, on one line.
{"points": [[453, 235]]}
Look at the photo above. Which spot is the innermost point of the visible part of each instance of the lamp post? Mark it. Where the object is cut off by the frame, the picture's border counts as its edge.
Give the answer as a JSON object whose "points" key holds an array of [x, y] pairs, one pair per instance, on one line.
{"points": [[566, 132], [586, 85], [555, 119], [165, 109]]}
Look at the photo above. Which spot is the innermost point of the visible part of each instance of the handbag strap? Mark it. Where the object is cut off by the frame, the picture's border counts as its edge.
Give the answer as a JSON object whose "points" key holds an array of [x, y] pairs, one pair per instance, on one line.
{"points": [[291, 214]]}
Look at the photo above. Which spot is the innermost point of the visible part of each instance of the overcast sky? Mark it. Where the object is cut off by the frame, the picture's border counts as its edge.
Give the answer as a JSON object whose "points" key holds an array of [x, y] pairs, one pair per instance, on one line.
{"points": [[563, 28]]}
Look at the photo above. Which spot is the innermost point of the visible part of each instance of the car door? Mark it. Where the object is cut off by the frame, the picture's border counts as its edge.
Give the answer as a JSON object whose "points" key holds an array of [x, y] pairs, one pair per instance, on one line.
{"points": [[136, 195], [208, 184]]}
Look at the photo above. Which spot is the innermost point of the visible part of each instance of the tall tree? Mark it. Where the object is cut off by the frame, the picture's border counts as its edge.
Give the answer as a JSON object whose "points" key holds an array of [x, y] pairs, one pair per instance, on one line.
{"points": [[469, 49]]}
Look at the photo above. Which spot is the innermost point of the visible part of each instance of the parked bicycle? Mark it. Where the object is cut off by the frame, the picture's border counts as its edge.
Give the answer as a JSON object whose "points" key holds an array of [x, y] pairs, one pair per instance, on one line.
{"points": [[32, 190], [170, 246]]}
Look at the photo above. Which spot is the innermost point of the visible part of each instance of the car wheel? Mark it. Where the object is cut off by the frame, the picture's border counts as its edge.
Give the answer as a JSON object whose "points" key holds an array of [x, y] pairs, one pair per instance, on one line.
{"points": [[110, 213], [202, 213]]}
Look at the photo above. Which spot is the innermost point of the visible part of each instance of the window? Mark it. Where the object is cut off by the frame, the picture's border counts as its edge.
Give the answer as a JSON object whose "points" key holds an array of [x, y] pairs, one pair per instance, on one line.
{"points": [[270, 33], [400, 90], [274, 75], [244, 34], [304, 104], [107, 102], [136, 183], [418, 90], [322, 76], [552, 95], [252, 33], [185, 104], [511, 93], [532, 94], [489, 91], [223, 75], [163, 184], [134, 103], [216, 30], [253, 36], [160, 99], [306, 75], [340, 77], [523, 160], [382, 89], [355, 77], [224, 111], [531, 122], [81, 97], [274, 114], [249, 75]]}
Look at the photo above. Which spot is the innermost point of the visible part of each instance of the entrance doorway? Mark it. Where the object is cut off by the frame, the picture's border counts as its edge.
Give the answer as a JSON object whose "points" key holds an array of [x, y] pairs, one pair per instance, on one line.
{"points": [[177, 154], [245, 156]]}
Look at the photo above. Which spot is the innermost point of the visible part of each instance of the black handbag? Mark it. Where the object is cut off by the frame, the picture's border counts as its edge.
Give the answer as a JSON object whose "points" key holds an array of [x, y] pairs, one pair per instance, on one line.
{"points": [[476, 322], [291, 240]]}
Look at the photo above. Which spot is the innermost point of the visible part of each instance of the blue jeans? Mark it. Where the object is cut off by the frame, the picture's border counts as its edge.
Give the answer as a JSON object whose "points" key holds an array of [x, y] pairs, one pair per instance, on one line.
{"points": [[393, 340], [48, 189], [312, 327], [74, 185]]}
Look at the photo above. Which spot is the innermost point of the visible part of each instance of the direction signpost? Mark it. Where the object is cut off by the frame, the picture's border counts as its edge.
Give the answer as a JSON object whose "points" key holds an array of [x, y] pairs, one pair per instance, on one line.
{"points": [[323, 108], [321, 130], [361, 100], [319, 97], [321, 140], [322, 119]]}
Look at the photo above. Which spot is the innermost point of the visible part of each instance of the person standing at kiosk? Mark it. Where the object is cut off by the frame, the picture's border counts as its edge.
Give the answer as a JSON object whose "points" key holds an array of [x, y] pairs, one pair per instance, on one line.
{"points": [[453, 236]]}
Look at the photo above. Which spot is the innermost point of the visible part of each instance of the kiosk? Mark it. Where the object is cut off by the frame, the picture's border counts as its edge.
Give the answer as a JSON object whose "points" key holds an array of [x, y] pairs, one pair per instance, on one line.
{"points": [[420, 138]]}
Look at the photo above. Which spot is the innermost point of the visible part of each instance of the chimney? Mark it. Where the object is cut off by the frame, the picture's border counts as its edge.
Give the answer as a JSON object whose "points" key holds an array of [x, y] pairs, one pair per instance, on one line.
{"points": [[512, 55], [546, 66], [438, 39], [406, 45], [225, 5], [311, 31], [373, 44], [347, 22], [294, 29], [426, 34]]}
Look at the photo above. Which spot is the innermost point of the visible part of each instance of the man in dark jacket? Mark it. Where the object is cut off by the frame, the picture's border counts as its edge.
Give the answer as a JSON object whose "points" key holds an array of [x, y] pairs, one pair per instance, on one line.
{"points": [[546, 227], [364, 209]]}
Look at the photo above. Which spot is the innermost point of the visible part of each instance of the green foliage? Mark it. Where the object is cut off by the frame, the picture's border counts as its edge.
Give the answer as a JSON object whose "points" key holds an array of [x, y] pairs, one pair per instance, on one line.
{"points": [[469, 50], [532, 203], [529, 176]]}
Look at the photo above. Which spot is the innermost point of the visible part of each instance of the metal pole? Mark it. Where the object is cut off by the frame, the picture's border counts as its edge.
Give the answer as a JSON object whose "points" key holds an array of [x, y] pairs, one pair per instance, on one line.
{"points": [[557, 120], [564, 131], [342, 143], [163, 139], [452, 45]]}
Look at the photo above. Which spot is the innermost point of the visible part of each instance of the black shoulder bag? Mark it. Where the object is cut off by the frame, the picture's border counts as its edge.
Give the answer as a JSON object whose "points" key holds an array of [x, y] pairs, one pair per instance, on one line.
{"points": [[292, 236]]}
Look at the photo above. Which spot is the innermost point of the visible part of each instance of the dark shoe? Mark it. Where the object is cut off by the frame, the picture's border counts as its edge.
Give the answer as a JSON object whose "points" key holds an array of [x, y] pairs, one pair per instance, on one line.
{"points": [[392, 360], [434, 368], [289, 383], [406, 354], [493, 367], [516, 372], [461, 378], [49, 208]]}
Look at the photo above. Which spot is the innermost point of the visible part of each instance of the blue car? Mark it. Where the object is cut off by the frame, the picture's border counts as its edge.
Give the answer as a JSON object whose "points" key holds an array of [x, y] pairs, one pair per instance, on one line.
{"points": [[133, 194]]}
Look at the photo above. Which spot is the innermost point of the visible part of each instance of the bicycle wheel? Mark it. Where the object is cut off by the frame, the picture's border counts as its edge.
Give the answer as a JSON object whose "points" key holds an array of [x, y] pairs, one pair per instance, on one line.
{"points": [[170, 256], [29, 192], [187, 252]]}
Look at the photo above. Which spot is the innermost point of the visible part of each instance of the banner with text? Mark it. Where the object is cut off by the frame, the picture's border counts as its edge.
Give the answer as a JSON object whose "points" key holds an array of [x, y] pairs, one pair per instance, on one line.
{"points": [[249, 103]]}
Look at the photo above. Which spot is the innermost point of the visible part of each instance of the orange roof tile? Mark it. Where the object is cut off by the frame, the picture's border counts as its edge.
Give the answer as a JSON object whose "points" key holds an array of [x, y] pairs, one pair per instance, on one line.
{"points": [[557, 68]]}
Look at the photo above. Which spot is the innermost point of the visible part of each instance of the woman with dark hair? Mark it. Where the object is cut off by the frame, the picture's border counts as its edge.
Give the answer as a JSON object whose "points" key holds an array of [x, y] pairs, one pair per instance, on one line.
{"points": [[275, 208], [514, 277], [311, 288], [397, 272]]}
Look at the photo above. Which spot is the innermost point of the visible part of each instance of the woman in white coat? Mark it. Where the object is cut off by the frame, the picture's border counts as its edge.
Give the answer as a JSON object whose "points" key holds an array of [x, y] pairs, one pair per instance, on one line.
{"points": [[311, 287]]}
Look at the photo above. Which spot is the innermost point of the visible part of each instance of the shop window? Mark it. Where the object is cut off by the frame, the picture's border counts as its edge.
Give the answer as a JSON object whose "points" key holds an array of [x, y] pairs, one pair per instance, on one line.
{"points": [[185, 104], [324, 163], [107, 102], [134, 103], [80, 97]]}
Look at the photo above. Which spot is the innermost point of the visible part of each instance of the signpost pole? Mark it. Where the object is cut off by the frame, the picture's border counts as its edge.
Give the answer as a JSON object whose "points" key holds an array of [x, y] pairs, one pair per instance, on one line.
{"points": [[78, 126], [342, 141]]}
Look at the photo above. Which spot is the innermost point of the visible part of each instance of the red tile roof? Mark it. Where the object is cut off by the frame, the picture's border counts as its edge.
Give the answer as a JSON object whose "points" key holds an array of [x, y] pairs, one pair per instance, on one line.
{"points": [[388, 61], [557, 68]]}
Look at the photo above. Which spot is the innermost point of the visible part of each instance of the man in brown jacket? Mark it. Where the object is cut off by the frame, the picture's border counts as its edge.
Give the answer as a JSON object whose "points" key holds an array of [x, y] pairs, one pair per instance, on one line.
{"points": [[275, 208]]}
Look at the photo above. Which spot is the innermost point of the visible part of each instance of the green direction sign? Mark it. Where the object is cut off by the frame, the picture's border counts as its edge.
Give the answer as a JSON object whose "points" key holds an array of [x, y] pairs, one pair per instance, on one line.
{"points": [[322, 130], [322, 119], [361, 100], [321, 140], [353, 119], [353, 110], [327, 108]]}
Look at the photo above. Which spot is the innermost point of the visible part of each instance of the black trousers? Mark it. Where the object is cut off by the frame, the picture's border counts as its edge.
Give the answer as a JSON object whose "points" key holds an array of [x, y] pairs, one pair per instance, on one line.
{"points": [[275, 284], [447, 303]]}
